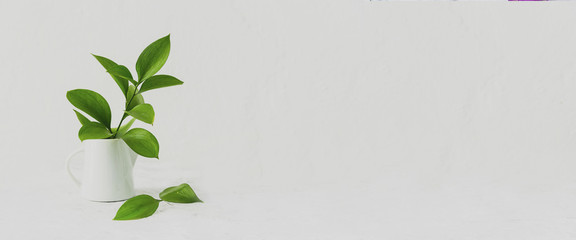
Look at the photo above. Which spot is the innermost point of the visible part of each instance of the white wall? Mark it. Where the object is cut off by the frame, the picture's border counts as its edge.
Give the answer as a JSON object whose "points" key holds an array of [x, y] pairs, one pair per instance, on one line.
{"points": [[288, 94]]}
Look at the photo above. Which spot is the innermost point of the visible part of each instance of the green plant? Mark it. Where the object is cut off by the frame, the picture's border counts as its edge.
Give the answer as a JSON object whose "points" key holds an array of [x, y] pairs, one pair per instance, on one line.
{"points": [[92, 103], [143, 206]]}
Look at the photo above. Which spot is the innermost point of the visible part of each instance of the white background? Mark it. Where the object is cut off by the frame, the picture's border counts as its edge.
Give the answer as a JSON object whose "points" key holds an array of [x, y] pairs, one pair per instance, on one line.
{"points": [[300, 119]]}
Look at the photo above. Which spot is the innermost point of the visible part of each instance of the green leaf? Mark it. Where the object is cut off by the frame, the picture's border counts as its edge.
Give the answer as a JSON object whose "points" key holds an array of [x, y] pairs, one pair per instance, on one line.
{"points": [[143, 112], [121, 71], [93, 130], [180, 194], [137, 100], [123, 129], [83, 120], [133, 82], [153, 58], [142, 142], [109, 64], [138, 207], [159, 81], [91, 103]]}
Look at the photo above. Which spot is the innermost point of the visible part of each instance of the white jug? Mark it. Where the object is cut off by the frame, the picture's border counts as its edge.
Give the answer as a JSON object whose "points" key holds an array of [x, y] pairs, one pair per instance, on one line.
{"points": [[108, 165]]}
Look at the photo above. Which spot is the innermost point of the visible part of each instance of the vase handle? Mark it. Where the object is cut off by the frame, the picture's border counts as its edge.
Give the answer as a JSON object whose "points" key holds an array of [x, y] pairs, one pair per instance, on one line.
{"points": [[70, 157]]}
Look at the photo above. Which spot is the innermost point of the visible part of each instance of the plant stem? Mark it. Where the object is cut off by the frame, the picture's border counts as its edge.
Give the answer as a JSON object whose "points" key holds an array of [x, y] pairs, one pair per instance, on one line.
{"points": [[125, 109]]}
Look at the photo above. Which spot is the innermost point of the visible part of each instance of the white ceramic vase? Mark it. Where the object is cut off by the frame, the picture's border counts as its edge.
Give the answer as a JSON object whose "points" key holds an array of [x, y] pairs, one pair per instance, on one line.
{"points": [[107, 175]]}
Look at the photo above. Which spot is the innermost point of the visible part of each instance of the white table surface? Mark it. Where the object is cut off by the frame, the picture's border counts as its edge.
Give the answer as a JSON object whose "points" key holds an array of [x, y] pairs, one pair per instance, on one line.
{"points": [[54, 210]]}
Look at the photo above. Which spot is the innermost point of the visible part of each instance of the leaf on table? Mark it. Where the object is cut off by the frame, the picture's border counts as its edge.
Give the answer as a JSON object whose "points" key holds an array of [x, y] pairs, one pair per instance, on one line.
{"points": [[138, 207], [182, 193]]}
